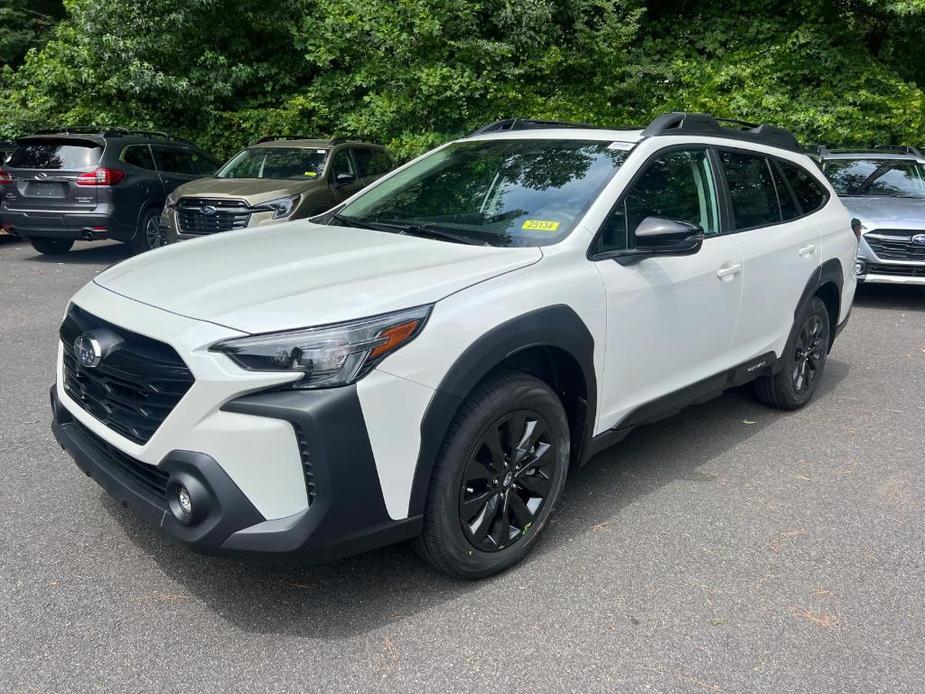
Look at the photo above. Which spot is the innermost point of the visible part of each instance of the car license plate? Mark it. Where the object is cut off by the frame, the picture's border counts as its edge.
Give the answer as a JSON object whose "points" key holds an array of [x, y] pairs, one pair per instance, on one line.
{"points": [[45, 189]]}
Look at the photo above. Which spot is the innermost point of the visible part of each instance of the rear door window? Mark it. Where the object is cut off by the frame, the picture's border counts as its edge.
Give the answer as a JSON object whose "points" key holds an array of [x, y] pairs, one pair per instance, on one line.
{"points": [[50, 154], [751, 190], [138, 155], [809, 192]]}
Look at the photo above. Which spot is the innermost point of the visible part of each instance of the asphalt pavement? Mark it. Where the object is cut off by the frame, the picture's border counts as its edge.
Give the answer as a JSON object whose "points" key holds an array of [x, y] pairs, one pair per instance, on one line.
{"points": [[730, 548]]}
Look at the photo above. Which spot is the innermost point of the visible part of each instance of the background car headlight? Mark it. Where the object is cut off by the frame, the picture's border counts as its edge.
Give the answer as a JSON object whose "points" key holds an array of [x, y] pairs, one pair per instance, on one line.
{"points": [[281, 207], [329, 355]]}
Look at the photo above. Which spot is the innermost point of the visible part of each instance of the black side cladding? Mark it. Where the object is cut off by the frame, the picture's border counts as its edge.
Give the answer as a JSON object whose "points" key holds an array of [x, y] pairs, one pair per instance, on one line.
{"points": [[554, 326]]}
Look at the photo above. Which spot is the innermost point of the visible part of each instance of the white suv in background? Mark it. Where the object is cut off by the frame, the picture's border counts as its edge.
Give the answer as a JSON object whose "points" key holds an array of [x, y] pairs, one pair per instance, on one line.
{"points": [[429, 360]]}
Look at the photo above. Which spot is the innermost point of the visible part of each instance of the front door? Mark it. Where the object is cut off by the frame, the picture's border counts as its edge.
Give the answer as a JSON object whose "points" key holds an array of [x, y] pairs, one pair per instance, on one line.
{"points": [[670, 320]]}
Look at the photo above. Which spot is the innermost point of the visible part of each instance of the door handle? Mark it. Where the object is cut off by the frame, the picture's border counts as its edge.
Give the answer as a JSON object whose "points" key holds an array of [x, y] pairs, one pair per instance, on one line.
{"points": [[807, 251], [727, 272]]}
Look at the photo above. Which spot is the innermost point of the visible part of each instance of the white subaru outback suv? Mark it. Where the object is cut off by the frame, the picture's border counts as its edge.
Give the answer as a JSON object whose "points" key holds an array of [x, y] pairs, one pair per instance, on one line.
{"points": [[430, 359]]}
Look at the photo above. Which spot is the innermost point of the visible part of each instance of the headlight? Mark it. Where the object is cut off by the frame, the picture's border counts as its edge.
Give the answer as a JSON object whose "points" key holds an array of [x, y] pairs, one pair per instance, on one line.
{"points": [[171, 201], [281, 207], [857, 227], [329, 355]]}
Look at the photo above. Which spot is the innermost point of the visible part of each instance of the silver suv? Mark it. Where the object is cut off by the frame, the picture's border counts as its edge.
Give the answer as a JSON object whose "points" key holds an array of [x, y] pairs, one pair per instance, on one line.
{"points": [[884, 189]]}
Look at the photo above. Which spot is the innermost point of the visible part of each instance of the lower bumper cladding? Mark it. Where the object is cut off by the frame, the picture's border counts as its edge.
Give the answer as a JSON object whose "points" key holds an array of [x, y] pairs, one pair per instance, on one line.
{"points": [[191, 498]]}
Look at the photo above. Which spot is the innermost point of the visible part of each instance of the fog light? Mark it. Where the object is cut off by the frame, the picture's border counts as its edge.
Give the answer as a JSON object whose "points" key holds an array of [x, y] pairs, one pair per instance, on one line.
{"points": [[186, 504], [858, 267]]}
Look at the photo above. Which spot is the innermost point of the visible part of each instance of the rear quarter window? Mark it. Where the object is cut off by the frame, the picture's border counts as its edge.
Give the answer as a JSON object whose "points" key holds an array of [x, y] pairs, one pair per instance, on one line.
{"points": [[810, 193], [55, 155]]}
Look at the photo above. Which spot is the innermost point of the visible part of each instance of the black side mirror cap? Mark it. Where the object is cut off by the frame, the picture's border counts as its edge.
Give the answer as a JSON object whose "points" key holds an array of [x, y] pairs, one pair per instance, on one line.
{"points": [[344, 178]]}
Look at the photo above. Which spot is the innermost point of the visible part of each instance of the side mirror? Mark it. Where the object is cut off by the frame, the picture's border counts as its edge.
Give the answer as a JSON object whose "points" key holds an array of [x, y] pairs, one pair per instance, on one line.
{"points": [[657, 236], [342, 179]]}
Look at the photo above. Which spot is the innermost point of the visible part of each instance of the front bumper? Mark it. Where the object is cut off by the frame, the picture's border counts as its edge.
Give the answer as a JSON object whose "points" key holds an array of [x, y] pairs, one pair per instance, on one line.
{"points": [[874, 270], [346, 515]]}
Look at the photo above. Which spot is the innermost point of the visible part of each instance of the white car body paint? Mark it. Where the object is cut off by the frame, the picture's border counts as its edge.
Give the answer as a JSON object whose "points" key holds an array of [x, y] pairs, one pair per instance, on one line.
{"points": [[657, 326]]}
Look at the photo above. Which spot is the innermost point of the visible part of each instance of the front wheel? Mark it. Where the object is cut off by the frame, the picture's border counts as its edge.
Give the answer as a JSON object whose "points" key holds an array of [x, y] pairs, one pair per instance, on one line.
{"points": [[803, 360], [500, 472], [52, 246], [150, 234]]}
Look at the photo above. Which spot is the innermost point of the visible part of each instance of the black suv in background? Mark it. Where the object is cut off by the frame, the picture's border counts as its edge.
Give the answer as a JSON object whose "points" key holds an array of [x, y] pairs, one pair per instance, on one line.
{"points": [[94, 183]]}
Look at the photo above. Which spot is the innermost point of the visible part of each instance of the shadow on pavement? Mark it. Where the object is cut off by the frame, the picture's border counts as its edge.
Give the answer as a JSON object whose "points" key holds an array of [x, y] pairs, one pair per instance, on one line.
{"points": [[890, 296], [86, 254], [358, 594]]}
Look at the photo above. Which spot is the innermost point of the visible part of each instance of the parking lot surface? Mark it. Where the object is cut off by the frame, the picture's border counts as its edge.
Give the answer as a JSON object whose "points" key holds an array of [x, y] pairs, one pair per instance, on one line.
{"points": [[730, 548]]}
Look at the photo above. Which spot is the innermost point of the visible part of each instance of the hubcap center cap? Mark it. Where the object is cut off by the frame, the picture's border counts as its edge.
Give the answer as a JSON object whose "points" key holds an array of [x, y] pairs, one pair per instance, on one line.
{"points": [[508, 478]]}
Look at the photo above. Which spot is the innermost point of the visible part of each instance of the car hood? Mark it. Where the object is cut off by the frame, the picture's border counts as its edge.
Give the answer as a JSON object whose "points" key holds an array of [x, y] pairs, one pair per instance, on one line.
{"points": [[300, 274], [253, 190], [884, 211]]}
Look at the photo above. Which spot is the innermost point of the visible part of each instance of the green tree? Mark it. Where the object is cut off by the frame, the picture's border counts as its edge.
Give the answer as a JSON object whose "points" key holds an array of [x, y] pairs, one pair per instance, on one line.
{"points": [[23, 24]]}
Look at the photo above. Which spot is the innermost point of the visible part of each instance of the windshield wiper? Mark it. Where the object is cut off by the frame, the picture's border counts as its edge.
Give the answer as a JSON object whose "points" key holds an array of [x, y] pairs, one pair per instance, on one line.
{"points": [[431, 231], [354, 222]]}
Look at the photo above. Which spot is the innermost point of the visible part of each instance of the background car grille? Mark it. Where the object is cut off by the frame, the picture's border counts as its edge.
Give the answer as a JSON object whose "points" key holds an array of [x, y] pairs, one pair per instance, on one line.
{"points": [[895, 244], [901, 270], [228, 215], [134, 387]]}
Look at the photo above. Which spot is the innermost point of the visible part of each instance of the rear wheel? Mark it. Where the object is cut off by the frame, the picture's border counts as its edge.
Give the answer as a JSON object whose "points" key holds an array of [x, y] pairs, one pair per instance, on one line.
{"points": [[803, 360], [150, 234], [52, 246], [499, 474]]}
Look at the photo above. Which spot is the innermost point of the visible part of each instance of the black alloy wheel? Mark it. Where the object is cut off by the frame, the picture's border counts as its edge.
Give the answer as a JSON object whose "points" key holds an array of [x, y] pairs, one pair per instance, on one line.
{"points": [[809, 353], [507, 481]]}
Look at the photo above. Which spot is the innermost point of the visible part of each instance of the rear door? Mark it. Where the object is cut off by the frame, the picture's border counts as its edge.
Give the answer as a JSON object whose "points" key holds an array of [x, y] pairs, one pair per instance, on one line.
{"points": [[175, 166], [780, 248], [45, 171]]}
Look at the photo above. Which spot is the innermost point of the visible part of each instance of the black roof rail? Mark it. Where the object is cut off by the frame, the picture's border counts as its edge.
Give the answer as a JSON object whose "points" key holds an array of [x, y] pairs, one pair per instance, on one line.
{"points": [[527, 124], [273, 138], [681, 123], [104, 131]]}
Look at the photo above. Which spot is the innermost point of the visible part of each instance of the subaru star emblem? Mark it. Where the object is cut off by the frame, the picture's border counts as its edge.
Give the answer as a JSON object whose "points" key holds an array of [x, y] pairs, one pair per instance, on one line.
{"points": [[919, 239], [207, 210], [88, 351]]}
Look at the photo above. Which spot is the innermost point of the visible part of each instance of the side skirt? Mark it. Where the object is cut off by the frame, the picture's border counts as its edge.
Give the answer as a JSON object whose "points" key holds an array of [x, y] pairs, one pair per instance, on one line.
{"points": [[671, 404]]}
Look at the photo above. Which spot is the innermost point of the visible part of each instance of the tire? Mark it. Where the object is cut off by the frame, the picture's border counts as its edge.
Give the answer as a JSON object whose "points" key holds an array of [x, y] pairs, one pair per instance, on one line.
{"points": [[803, 360], [52, 246], [149, 234], [489, 500]]}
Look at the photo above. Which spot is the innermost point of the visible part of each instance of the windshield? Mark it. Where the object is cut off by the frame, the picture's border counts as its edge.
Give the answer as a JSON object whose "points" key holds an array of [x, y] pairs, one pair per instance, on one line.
{"points": [[902, 178], [290, 163], [497, 192], [55, 155]]}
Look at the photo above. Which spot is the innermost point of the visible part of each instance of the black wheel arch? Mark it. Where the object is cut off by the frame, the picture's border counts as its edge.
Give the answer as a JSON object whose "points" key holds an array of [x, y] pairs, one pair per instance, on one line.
{"points": [[552, 343], [826, 283]]}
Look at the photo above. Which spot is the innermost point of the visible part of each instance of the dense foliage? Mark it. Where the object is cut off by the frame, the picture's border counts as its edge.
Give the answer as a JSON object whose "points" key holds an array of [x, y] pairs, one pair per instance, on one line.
{"points": [[413, 73]]}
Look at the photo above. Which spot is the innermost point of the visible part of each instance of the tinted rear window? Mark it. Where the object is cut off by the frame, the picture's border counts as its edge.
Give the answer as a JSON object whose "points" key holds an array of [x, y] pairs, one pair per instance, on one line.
{"points": [[808, 190], [55, 154], [751, 190]]}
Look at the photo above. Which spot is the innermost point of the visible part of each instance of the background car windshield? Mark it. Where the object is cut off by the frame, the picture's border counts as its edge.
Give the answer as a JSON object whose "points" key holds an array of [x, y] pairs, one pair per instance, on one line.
{"points": [[893, 177], [290, 163], [501, 192], [55, 155]]}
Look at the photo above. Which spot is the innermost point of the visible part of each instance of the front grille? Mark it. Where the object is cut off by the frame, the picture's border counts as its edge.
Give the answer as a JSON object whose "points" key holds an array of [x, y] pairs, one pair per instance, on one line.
{"points": [[134, 387], [899, 270], [147, 479], [895, 244], [223, 215], [307, 470]]}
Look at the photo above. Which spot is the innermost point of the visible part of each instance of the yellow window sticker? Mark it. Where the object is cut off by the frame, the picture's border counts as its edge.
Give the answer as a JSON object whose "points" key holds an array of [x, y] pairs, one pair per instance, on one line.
{"points": [[540, 225]]}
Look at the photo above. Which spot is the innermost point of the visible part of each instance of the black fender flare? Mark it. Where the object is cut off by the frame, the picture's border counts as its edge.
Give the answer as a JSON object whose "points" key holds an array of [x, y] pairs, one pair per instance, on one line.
{"points": [[555, 326], [829, 272]]}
